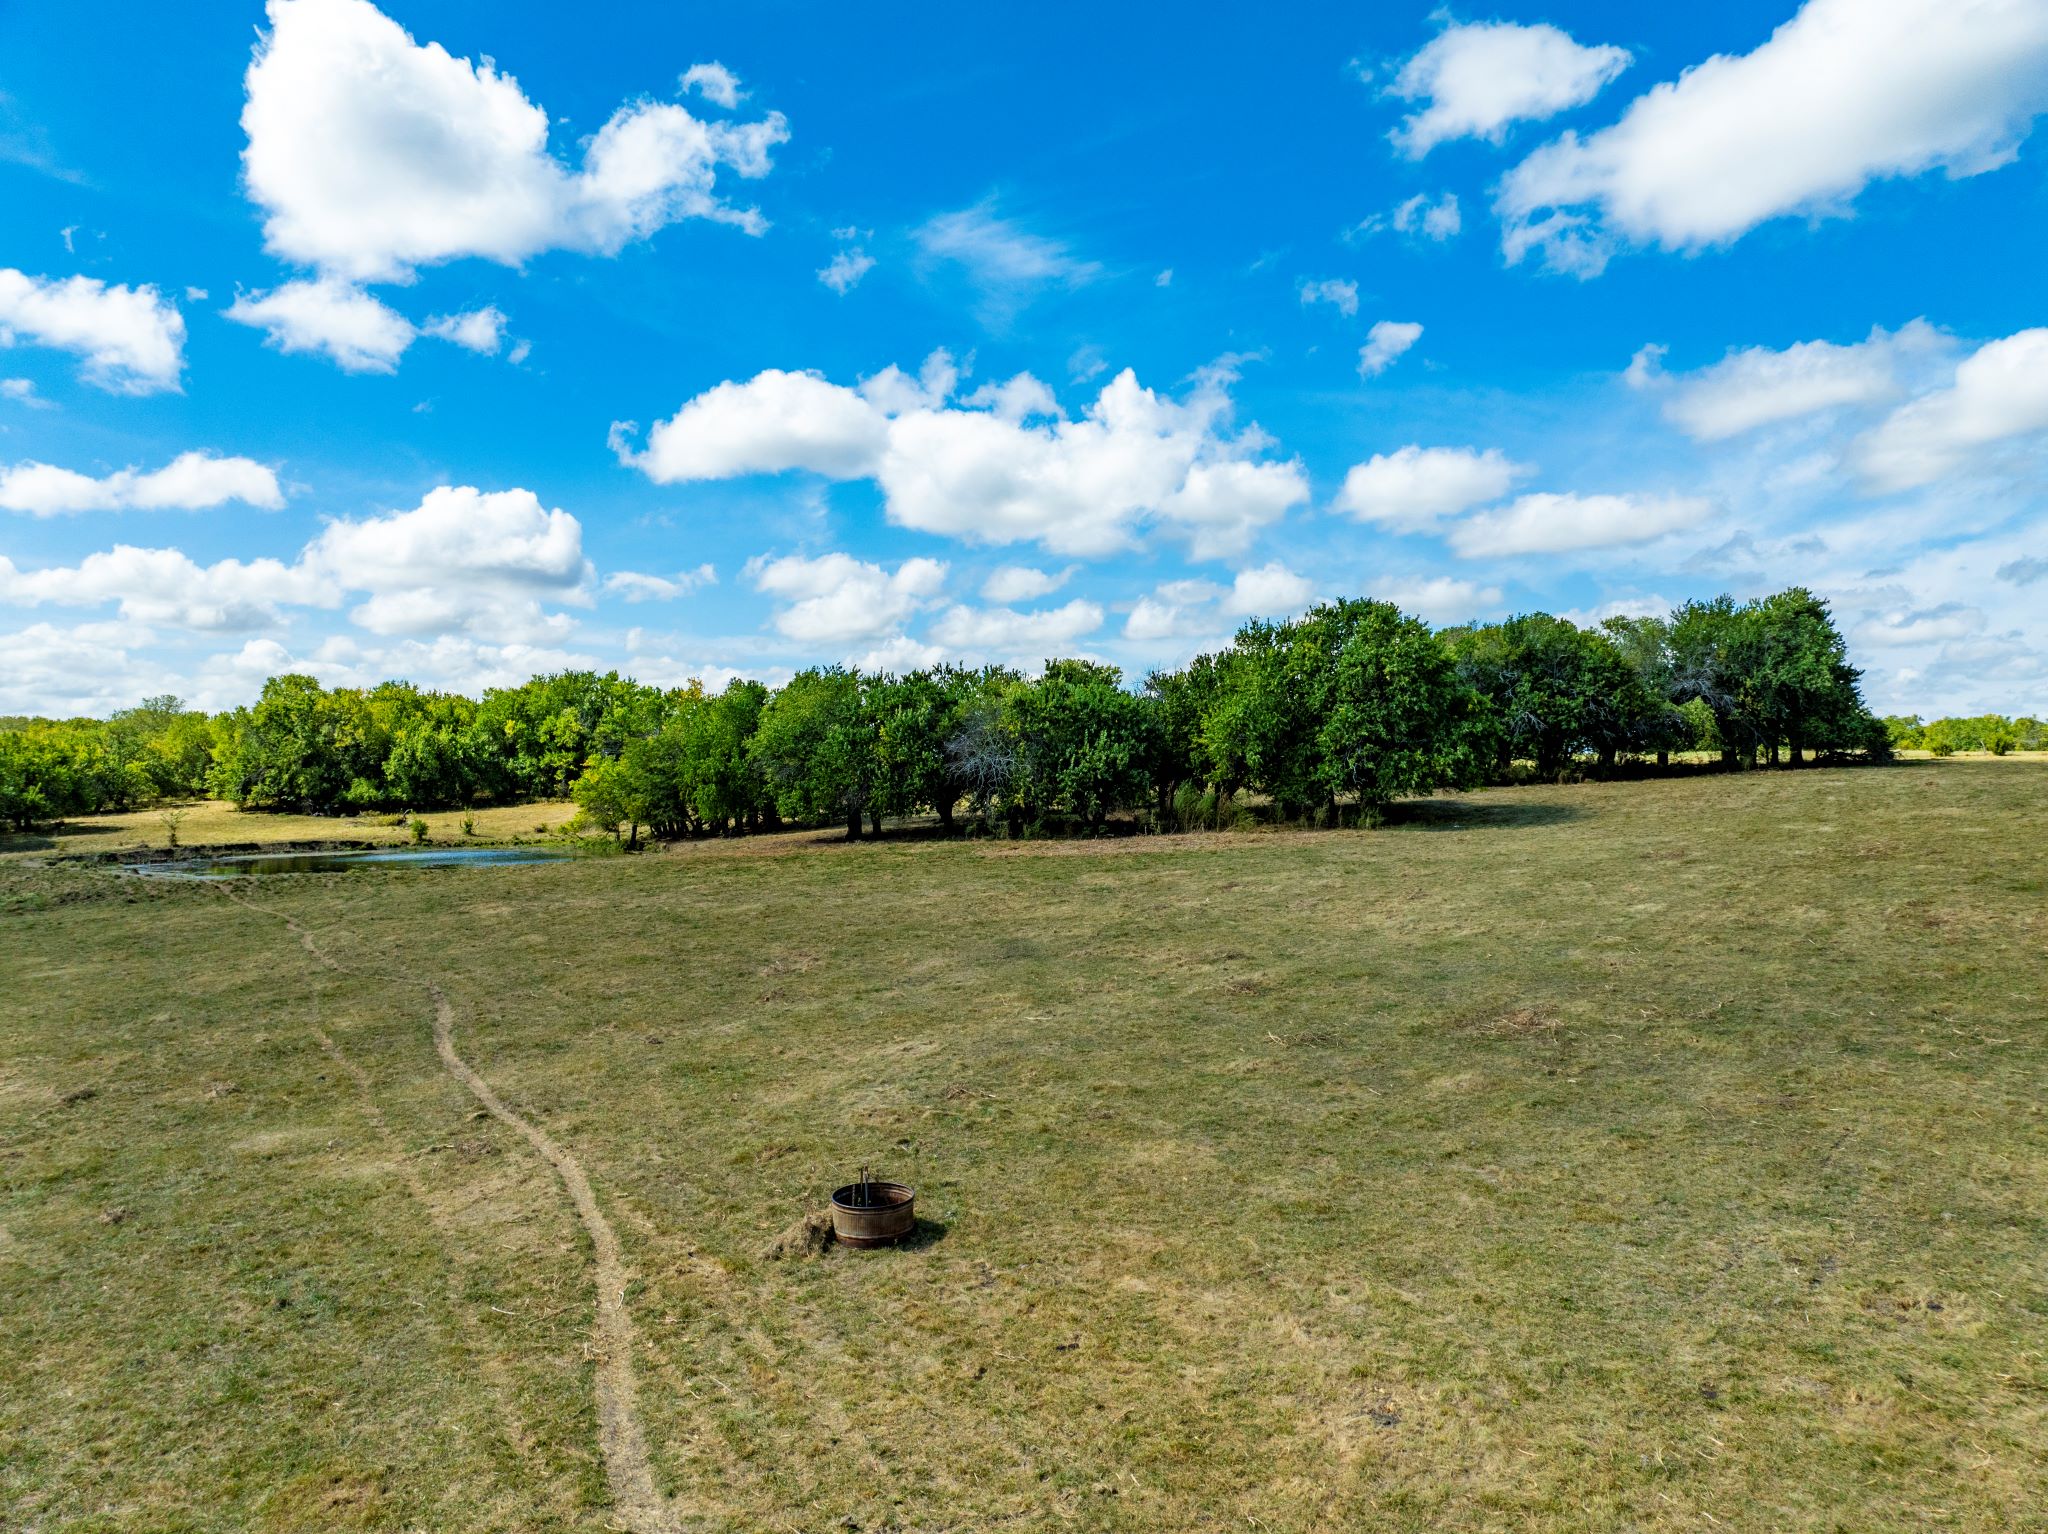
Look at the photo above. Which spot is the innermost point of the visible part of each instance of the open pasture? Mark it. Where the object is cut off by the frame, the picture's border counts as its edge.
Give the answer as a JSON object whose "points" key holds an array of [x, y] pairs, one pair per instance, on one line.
{"points": [[1656, 1155], [217, 823]]}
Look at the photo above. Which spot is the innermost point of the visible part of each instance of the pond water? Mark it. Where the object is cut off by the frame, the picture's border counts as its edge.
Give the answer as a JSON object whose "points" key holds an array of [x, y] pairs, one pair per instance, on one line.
{"points": [[244, 864]]}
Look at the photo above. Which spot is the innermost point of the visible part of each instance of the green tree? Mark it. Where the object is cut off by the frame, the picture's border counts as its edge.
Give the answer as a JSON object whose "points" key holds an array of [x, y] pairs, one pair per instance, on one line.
{"points": [[1260, 723], [286, 752], [1660, 724], [41, 776], [613, 791], [982, 750], [1082, 743], [1712, 662], [918, 718], [1554, 689], [1181, 700], [1396, 718], [815, 749], [1804, 684], [432, 762]]}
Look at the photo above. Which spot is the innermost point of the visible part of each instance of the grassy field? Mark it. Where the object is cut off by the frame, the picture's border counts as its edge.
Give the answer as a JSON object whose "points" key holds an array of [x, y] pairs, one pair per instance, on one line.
{"points": [[1663, 1156], [215, 823]]}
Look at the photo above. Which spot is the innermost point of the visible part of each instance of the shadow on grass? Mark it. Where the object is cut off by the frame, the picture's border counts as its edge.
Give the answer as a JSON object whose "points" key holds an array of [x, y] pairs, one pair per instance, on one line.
{"points": [[1495, 812], [45, 837], [923, 1236]]}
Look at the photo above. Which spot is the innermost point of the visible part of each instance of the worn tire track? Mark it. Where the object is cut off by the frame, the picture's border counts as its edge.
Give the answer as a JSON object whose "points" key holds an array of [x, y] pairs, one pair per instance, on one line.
{"points": [[629, 1471]]}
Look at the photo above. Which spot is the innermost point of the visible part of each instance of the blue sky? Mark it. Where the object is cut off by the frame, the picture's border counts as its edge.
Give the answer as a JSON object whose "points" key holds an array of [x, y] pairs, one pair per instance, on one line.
{"points": [[457, 341]]}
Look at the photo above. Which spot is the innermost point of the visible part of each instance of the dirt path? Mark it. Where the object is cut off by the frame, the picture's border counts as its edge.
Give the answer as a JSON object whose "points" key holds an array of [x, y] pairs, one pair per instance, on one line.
{"points": [[628, 1470], [626, 1464], [488, 1363]]}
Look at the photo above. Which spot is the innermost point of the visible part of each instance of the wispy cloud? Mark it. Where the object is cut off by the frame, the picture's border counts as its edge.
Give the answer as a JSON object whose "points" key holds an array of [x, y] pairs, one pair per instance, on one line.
{"points": [[1008, 263]]}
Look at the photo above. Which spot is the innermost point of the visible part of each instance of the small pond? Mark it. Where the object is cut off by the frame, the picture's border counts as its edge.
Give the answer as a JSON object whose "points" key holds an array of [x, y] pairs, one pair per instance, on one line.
{"points": [[244, 864]]}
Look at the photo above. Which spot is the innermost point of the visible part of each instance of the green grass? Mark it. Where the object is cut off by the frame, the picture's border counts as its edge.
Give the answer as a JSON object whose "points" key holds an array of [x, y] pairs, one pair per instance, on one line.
{"points": [[1625, 1156]]}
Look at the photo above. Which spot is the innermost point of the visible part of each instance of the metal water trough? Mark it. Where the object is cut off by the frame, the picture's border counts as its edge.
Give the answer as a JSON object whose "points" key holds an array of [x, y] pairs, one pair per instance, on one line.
{"points": [[868, 1213]]}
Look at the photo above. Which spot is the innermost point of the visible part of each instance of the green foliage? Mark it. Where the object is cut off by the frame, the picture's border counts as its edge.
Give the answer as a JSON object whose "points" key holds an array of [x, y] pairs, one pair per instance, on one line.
{"points": [[52, 768], [814, 747], [982, 750], [917, 718], [1333, 714], [303, 747], [1554, 689], [1696, 729], [1994, 733], [1355, 701], [617, 791], [1083, 743], [1773, 673], [1181, 702], [1395, 717]]}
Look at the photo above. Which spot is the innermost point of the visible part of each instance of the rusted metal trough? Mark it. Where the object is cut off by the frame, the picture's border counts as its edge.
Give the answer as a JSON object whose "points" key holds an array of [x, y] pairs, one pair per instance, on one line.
{"points": [[869, 1213]]}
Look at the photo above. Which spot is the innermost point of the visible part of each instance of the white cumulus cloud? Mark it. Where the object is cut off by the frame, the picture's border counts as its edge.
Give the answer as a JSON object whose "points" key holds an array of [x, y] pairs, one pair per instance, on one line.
{"points": [[1270, 591], [1000, 467], [1023, 583], [1478, 79], [1440, 598], [361, 334], [636, 587], [1005, 632], [774, 422], [1844, 93], [1757, 386], [715, 83], [480, 330], [88, 669], [1551, 523], [1384, 344], [132, 339], [190, 482], [166, 586], [1413, 488], [2000, 394], [837, 599], [463, 560], [372, 154], [1196, 609], [463, 587]]}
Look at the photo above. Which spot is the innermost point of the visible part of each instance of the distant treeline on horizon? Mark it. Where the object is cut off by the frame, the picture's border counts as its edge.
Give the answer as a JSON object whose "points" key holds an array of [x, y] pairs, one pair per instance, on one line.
{"points": [[1328, 718]]}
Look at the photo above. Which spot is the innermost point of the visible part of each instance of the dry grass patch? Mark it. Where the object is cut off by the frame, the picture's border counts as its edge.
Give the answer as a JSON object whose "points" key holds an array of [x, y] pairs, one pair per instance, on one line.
{"points": [[217, 823], [1519, 1023]]}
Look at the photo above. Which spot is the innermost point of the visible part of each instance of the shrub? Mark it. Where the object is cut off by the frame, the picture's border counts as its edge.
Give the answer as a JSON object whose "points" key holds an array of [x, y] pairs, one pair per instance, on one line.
{"points": [[419, 831]]}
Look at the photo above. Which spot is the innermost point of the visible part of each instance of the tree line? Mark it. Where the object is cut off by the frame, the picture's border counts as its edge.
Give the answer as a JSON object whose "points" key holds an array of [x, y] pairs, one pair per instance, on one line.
{"points": [[1994, 733], [1324, 719]]}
